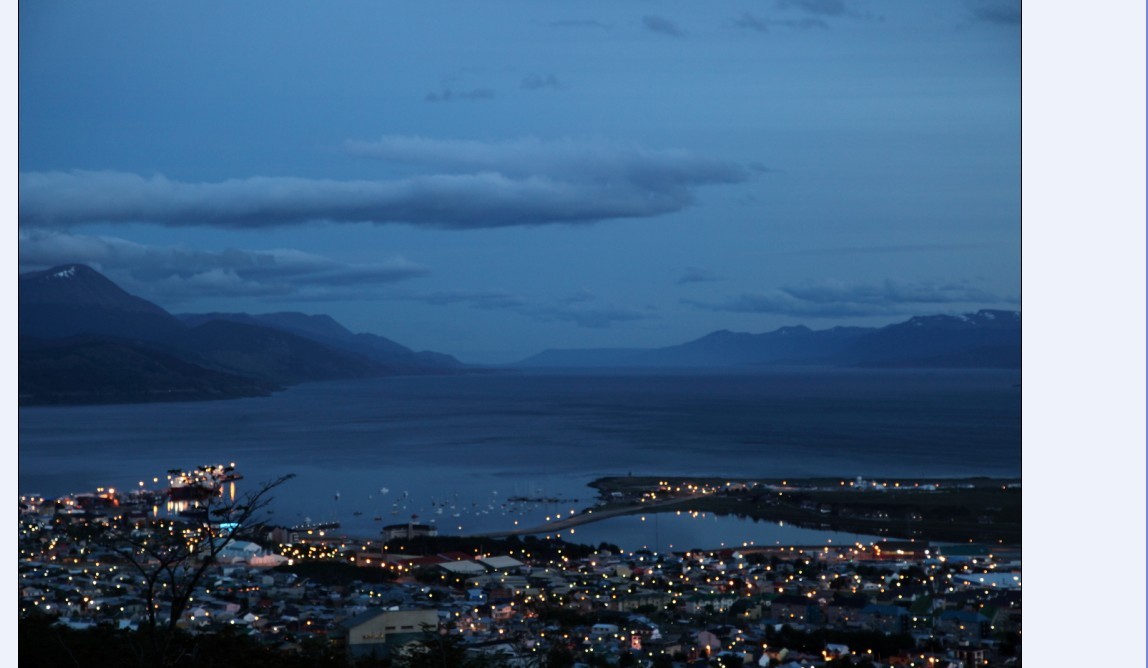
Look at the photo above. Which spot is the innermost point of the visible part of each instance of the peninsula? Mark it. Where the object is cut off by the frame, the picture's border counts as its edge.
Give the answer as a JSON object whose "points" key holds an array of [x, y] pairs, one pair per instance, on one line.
{"points": [[983, 510]]}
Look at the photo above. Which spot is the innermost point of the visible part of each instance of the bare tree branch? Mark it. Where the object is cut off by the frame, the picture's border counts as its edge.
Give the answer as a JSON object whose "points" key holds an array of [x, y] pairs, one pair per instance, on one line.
{"points": [[172, 559]]}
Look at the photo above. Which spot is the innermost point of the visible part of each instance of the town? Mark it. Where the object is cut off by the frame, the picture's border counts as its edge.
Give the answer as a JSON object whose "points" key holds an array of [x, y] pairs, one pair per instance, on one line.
{"points": [[117, 561]]}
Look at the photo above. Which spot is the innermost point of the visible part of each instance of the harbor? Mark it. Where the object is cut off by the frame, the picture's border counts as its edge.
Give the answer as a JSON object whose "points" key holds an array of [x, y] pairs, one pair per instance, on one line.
{"points": [[530, 594]]}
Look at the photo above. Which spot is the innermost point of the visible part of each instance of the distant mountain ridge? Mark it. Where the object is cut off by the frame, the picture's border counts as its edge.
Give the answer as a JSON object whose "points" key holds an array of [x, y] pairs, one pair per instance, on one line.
{"points": [[85, 340], [324, 329], [985, 339]]}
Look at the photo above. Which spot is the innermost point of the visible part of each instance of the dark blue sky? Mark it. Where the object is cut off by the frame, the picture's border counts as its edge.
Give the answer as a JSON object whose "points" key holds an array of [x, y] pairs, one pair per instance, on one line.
{"points": [[492, 179]]}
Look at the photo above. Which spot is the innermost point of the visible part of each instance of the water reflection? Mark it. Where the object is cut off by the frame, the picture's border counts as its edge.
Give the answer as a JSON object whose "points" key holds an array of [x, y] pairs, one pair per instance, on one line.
{"points": [[681, 531]]}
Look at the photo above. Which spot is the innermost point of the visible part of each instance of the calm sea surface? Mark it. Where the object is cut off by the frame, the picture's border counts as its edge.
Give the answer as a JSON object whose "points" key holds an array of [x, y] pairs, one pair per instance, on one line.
{"points": [[454, 450]]}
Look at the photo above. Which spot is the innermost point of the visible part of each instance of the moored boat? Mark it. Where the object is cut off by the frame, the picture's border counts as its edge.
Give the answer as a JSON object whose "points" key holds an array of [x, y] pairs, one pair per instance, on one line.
{"points": [[201, 482]]}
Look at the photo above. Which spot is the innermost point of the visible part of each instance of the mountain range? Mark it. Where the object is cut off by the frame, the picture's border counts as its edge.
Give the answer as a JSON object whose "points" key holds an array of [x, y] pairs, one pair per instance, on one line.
{"points": [[83, 339], [985, 339]]}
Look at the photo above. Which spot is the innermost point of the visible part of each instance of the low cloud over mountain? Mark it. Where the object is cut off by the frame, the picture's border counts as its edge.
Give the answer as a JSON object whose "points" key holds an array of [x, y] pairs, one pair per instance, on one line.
{"points": [[178, 273], [835, 299]]}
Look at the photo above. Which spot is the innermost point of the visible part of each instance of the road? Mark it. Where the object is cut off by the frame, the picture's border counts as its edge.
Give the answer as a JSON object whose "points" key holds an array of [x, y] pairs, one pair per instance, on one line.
{"points": [[592, 515]]}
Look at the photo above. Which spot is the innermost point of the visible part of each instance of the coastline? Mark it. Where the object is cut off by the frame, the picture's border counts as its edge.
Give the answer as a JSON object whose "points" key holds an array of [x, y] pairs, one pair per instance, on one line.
{"points": [[970, 509]]}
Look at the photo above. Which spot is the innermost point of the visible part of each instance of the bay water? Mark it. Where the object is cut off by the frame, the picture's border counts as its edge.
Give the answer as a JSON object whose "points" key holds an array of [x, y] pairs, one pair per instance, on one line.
{"points": [[494, 451]]}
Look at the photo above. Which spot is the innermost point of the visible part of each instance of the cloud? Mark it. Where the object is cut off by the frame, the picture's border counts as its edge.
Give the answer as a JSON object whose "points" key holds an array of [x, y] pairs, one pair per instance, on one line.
{"points": [[750, 22], [486, 300], [819, 7], [566, 160], [594, 317], [834, 299], [888, 292], [778, 302], [762, 168], [897, 248], [537, 81], [697, 275], [661, 25], [582, 296], [826, 8], [173, 274], [477, 185], [579, 308], [579, 23], [447, 94], [1003, 12]]}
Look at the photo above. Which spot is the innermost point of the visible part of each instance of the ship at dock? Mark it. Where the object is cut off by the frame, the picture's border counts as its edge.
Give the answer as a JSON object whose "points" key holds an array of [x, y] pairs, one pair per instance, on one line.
{"points": [[308, 525], [200, 483]]}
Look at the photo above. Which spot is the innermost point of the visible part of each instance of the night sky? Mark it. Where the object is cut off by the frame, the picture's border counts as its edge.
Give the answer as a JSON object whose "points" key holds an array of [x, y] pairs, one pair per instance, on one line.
{"points": [[491, 179]]}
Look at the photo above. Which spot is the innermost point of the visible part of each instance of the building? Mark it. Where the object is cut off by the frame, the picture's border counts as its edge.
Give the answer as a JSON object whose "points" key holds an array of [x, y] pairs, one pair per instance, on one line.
{"points": [[239, 551], [377, 633], [408, 531]]}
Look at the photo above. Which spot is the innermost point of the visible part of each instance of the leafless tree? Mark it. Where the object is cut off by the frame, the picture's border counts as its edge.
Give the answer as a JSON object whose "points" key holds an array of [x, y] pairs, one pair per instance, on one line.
{"points": [[172, 557]]}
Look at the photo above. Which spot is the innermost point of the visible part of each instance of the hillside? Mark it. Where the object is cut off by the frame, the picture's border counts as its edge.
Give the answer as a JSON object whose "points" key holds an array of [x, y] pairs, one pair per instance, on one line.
{"points": [[83, 339], [94, 371]]}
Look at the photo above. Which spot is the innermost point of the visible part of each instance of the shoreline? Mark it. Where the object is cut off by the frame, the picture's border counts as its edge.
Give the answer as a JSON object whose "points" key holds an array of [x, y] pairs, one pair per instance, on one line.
{"points": [[967, 509]]}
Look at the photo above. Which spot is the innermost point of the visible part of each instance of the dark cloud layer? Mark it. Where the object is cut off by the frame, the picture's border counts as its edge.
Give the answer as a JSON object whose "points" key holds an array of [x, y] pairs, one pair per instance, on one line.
{"points": [[828, 8], [660, 24], [697, 275], [174, 274], [1004, 12], [833, 299], [820, 7], [477, 185]]}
